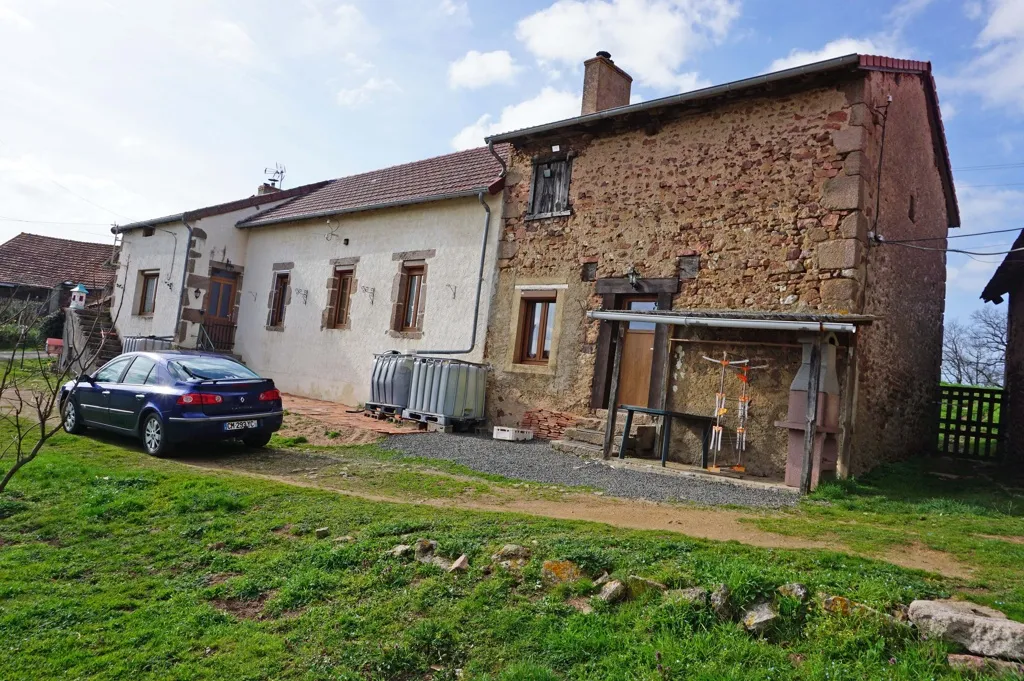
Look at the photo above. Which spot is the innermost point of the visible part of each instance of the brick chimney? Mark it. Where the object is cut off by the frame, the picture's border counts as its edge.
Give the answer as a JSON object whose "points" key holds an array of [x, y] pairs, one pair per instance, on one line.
{"points": [[266, 188], [605, 85]]}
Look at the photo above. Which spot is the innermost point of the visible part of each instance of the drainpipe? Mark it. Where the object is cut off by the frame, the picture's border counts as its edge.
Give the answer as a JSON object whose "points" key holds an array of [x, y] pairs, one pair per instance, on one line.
{"points": [[184, 277], [479, 280]]}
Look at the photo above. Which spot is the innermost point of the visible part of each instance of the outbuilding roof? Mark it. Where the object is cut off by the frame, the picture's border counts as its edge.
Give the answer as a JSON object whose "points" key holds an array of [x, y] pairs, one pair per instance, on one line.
{"points": [[463, 173], [768, 83], [254, 201], [46, 261], [1008, 275]]}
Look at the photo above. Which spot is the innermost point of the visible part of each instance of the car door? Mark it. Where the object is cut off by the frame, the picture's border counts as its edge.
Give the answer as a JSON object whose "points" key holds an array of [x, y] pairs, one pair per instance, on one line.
{"points": [[94, 397], [128, 395]]}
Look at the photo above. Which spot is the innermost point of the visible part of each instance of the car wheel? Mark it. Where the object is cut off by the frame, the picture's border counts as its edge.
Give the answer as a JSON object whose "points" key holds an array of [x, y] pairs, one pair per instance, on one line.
{"points": [[154, 436], [256, 440], [72, 420]]}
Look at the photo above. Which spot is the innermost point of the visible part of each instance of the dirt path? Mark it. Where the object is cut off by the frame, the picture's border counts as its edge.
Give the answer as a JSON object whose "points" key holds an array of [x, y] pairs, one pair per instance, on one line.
{"points": [[294, 468]]}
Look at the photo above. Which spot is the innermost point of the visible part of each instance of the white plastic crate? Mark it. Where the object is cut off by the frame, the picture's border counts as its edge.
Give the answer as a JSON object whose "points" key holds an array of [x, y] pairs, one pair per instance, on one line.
{"points": [[512, 434]]}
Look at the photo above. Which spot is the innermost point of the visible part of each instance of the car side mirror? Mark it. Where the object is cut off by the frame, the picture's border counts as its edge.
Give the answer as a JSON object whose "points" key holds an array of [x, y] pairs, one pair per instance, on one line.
{"points": [[85, 378]]}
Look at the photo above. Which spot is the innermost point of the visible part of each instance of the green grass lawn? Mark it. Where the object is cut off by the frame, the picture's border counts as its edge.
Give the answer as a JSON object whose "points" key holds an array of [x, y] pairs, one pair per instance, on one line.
{"points": [[114, 565], [978, 520]]}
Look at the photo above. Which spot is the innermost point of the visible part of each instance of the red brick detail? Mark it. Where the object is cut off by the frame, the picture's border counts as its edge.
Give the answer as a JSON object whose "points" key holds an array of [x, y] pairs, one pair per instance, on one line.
{"points": [[547, 424]]}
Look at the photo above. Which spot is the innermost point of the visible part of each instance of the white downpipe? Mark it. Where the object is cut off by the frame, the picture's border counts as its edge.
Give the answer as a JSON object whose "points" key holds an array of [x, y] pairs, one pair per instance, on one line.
{"points": [[723, 322]]}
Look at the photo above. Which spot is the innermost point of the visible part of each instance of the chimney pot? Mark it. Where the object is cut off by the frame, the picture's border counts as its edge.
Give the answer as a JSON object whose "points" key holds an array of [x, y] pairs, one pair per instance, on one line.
{"points": [[605, 85]]}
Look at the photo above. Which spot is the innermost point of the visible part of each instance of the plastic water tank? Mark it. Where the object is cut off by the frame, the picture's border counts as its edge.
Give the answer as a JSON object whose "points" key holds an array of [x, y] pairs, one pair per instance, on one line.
{"points": [[449, 388], [391, 379]]}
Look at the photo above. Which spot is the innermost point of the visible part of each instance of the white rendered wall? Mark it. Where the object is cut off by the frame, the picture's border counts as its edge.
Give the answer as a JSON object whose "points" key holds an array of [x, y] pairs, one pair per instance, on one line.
{"points": [[335, 364]]}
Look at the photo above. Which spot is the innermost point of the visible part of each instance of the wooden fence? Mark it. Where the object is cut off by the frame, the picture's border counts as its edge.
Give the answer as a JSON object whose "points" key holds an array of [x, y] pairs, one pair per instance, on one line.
{"points": [[969, 421]]}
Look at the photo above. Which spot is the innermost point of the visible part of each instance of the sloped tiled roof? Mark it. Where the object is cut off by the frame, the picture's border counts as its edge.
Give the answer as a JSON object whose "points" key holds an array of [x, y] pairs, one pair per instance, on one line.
{"points": [[462, 173], [35, 260], [1009, 275], [256, 201]]}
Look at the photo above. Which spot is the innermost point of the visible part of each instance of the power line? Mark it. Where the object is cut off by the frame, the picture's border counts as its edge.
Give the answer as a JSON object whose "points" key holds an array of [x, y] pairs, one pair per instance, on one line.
{"points": [[952, 236], [992, 166], [4, 218], [1004, 184], [880, 240]]}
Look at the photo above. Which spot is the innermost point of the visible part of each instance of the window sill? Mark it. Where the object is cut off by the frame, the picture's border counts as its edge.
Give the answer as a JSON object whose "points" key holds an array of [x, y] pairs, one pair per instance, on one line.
{"points": [[275, 328], [340, 327], [410, 334], [148, 315], [547, 216], [536, 369]]}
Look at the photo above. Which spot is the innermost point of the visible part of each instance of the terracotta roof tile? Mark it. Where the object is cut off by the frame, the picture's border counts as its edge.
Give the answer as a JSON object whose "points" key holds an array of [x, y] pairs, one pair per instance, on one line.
{"points": [[463, 172], [35, 260]]}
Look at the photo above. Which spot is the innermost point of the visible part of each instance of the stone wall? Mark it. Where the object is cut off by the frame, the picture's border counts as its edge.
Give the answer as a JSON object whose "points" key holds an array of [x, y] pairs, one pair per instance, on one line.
{"points": [[900, 355], [773, 194]]}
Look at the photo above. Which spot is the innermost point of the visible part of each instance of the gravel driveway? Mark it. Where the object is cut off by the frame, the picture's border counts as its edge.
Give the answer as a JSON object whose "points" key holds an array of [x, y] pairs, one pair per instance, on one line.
{"points": [[537, 462]]}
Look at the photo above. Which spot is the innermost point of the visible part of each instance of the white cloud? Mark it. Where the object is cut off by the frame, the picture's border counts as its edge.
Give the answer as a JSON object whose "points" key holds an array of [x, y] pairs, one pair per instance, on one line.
{"points": [[326, 28], [454, 9], [651, 39], [549, 105], [996, 74], [228, 41], [358, 96], [835, 48], [479, 69], [973, 9], [19, 21]]}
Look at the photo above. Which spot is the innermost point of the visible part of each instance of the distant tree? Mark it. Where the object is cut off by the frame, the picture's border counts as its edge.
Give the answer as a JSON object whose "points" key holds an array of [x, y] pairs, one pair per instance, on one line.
{"points": [[975, 353]]}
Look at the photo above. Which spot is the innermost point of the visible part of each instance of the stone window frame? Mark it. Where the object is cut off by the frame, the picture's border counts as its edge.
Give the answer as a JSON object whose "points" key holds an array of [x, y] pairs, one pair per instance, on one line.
{"points": [[408, 260], [276, 316], [524, 290], [546, 159], [144, 279], [330, 319]]}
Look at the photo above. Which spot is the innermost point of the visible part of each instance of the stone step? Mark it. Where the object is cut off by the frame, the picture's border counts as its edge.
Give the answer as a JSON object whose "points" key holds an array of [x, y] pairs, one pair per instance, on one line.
{"points": [[589, 436], [583, 450]]}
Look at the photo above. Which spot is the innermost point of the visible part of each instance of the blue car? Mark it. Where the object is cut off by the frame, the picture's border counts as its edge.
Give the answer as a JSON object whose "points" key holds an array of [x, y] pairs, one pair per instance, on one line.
{"points": [[164, 398]]}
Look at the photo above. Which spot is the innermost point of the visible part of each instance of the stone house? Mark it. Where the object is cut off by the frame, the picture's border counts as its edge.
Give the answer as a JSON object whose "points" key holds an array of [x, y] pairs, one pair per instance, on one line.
{"points": [[45, 269], [1008, 281], [743, 216], [306, 285]]}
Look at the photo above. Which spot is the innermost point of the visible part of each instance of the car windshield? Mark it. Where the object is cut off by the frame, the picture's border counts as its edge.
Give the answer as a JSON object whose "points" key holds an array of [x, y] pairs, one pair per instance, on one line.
{"points": [[209, 368]]}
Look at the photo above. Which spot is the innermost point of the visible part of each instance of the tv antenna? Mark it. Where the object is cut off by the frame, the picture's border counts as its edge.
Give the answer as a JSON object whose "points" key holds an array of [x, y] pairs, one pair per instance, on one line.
{"points": [[275, 175]]}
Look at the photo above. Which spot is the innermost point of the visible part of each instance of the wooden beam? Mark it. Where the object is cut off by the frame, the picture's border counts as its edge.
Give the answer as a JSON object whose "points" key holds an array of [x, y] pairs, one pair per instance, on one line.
{"points": [[812, 416], [849, 411], [613, 392]]}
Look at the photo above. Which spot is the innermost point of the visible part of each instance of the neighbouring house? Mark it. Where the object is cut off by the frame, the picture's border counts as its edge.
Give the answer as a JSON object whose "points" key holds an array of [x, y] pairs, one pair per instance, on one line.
{"points": [[180, 276], [307, 290], [45, 269], [1008, 282], [736, 221]]}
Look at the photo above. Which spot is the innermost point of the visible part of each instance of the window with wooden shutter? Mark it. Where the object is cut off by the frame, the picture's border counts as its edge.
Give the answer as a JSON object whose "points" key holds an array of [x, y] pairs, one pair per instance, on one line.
{"points": [[549, 195], [279, 299], [410, 299], [343, 279]]}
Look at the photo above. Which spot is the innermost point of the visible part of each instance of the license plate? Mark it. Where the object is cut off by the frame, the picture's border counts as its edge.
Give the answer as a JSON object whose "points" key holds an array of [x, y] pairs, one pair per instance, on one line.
{"points": [[240, 425]]}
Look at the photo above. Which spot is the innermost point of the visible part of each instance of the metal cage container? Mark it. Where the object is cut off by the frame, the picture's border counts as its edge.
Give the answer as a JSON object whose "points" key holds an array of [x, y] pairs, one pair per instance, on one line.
{"points": [[390, 380], [446, 391]]}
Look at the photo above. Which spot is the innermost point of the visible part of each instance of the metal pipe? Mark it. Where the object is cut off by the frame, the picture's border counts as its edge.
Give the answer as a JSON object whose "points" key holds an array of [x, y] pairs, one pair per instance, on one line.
{"points": [[184, 277], [479, 285], [724, 322]]}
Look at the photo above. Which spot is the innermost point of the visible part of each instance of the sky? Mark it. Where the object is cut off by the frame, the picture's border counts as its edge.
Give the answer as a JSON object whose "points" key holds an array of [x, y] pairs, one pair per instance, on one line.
{"points": [[121, 110]]}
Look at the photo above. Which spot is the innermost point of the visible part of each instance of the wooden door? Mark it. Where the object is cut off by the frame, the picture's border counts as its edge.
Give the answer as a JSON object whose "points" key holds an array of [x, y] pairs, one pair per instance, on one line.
{"points": [[220, 304], [637, 356]]}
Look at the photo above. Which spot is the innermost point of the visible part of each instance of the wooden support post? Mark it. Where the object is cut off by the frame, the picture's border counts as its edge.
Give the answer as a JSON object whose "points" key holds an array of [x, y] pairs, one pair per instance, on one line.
{"points": [[849, 410], [613, 392], [812, 416]]}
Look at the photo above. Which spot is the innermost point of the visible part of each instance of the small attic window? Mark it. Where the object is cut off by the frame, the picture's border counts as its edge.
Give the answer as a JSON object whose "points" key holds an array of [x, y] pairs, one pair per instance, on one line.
{"points": [[148, 231]]}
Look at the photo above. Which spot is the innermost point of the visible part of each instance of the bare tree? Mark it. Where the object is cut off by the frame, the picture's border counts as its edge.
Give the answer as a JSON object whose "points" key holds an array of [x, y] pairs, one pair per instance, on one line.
{"points": [[975, 353], [30, 398]]}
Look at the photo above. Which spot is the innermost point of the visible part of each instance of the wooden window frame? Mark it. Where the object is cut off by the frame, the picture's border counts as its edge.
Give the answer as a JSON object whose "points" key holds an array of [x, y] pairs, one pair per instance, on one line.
{"points": [[279, 298], [147, 279], [532, 213], [341, 315], [528, 299], [409, 272]]}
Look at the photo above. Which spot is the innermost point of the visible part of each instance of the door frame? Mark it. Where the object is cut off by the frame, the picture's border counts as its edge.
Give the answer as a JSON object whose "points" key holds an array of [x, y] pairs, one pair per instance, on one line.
{"points": [[221, 279], [624, 302], [613, 292]]}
